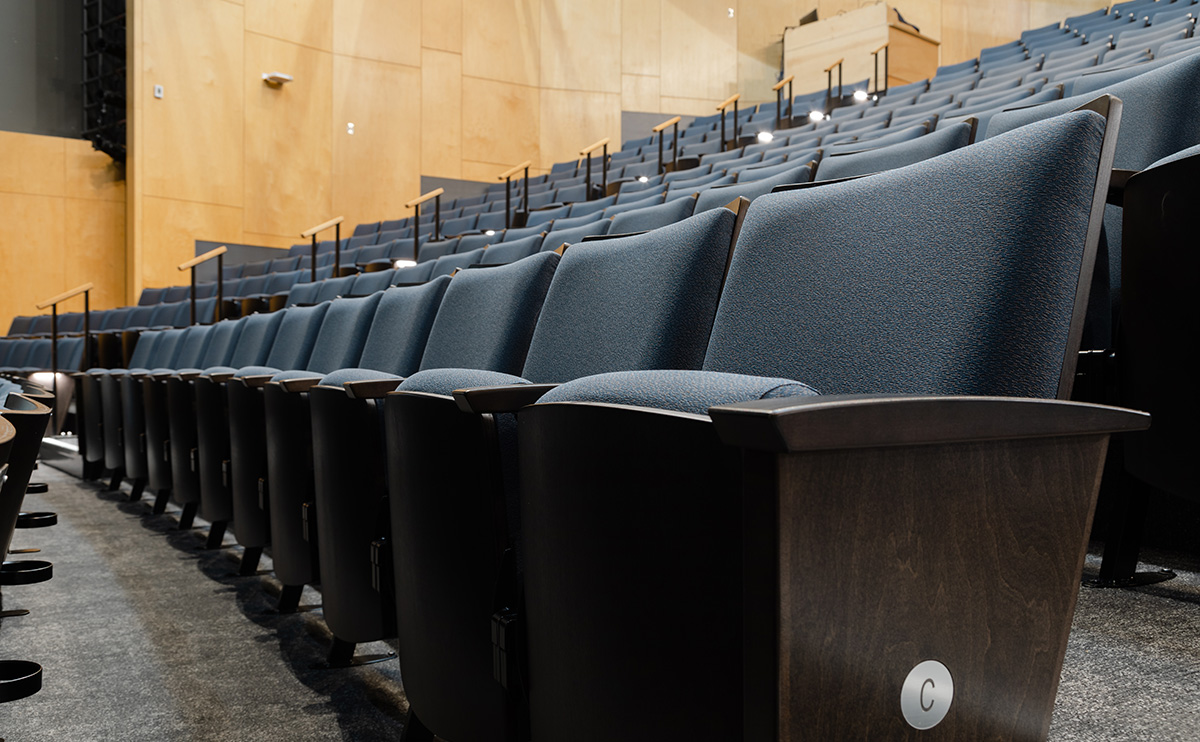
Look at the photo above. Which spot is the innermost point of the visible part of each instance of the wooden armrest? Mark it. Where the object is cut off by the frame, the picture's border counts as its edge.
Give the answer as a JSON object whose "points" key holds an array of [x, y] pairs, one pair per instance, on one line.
{"points": [[189, 375], [299, 385], [504, 398], [370, 388], [161, 375], [875, 421], [220, 377], [253, 382]]}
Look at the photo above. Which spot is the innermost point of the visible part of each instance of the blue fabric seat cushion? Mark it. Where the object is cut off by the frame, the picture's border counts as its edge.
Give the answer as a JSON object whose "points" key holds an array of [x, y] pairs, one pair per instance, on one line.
{"points": [[341, 376], [256, 371], [446, 380], [681, 391]]}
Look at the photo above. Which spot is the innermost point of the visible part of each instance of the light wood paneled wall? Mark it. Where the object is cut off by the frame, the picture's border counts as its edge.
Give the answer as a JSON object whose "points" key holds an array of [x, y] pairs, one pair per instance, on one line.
{"points": [[62, 223], [451, 88]]}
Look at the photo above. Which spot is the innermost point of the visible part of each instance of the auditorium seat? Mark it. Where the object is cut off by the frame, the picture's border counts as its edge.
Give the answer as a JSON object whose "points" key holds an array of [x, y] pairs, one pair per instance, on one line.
{"points": [[630, 534], [559, 237], [255, 336], [652, 217], [338, 343]]}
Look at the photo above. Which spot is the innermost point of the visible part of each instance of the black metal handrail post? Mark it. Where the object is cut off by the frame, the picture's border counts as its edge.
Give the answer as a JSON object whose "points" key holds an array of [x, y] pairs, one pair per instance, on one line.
{"points": [[588, 150], [875, 54], [53, 303], [337, 252], [723, 107], [191, 265], [415, 204], [673, 121], [506, 176], [778, 88]]}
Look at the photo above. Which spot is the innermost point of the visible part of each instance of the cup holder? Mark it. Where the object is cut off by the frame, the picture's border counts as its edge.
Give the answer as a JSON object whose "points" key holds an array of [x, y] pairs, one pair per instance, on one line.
{"points": [[25, 572], [37, 488], [36, 520], [19, 679]]}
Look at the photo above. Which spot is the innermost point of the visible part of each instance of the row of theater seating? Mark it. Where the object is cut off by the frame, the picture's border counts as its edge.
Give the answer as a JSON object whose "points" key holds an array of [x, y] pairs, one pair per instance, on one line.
{"points": [[605, 543]]}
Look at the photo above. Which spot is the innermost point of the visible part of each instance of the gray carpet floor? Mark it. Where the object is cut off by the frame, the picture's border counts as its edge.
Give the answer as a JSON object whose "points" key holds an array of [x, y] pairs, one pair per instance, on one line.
{"points": [[144, 635]]}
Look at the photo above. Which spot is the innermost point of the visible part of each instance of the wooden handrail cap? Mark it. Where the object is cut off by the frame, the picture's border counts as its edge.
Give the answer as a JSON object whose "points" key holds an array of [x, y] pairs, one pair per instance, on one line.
{"points": [[786, 80], [835, 64], [425, 197], [729, 101], [594, 146], [514, 170], [323, 225], [202, 258], [668, 123], [66, 295]]}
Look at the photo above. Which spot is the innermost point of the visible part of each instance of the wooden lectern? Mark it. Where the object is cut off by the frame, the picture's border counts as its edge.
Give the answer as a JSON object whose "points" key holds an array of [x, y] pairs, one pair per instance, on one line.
{"points": [[854, 36]]}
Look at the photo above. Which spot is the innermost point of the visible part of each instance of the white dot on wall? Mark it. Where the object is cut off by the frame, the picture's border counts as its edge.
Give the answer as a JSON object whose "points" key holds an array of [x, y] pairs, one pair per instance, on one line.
{"points": [[349, 128], [730, 12]]}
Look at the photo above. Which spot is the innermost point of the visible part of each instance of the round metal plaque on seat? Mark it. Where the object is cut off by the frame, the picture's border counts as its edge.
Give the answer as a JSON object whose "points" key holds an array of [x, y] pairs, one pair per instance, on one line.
{"points": [[926, 695]]}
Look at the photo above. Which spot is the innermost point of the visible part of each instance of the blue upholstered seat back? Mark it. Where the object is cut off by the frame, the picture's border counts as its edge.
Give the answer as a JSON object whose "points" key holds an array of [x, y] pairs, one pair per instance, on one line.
{"points": [[401, 327], [193, 347], [487, 316], [962, 281], [638, 302], [222, 340], [507, 252], [1157, 119], [343, 333], [39, 354], [304, 293], [296, 337], [332, 288], [139, 316], [652, 217], [896, 155], [559, 237], [256, 339], [142, 350], [366, 284], [165, 350], [414, 273], [751, 189]]}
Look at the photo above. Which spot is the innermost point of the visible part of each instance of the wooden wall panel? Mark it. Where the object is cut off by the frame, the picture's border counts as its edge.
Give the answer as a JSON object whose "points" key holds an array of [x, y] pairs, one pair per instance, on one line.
{"points": [[191, 138], [95, 250], [500, 123], [641, 37], [640, 93], [970, 26], [572, 120], [288, 143], [62, 223], [32, 247], [760, 28], [90, 174], [441, 114], [385, 30], [581, 45], [307, 22], [176, 225], [442, 25], [377, 168], [501, 40], [699, 50], [31, 164]]}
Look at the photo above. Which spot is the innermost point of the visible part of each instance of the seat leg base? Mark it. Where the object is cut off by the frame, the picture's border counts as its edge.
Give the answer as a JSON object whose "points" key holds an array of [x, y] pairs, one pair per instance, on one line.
{"points": [[188, 516], [1137, 579], [14, 613], [160, 502], [23, 551], [114, 484], [216, 534], [341, 654], [249, 564], [289, 598], [139, 486]]}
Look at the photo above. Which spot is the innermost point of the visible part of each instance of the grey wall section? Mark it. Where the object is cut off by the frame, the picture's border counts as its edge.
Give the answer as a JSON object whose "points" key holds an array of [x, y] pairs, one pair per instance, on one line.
{"points": [[236, 255], [454, 189], [637, 125], [41, 67]]}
